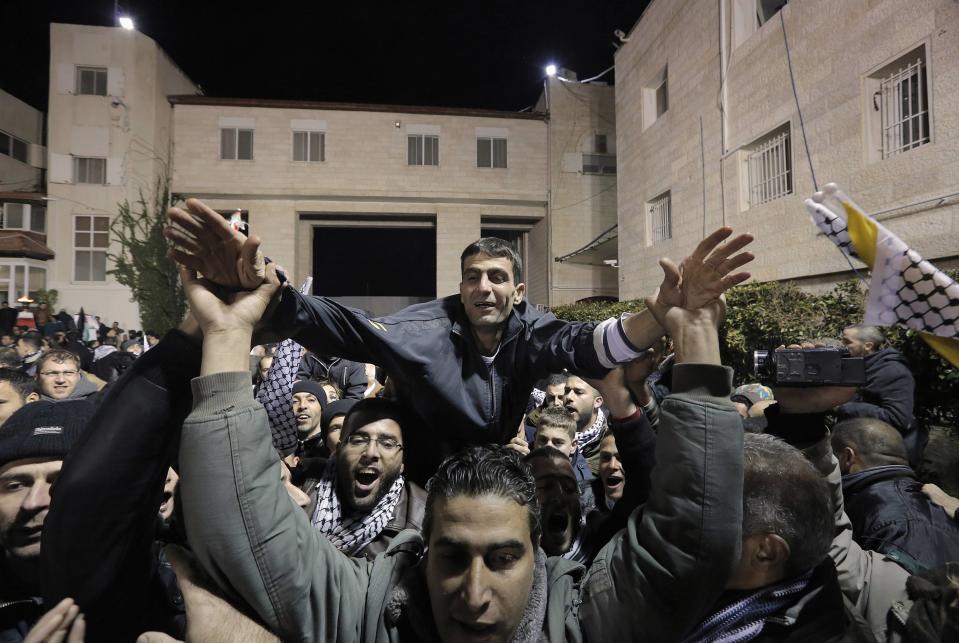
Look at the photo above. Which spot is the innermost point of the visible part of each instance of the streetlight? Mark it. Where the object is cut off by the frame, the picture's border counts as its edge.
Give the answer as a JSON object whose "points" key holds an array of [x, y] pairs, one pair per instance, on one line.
{"points": [[550, 70], [126, 22]]}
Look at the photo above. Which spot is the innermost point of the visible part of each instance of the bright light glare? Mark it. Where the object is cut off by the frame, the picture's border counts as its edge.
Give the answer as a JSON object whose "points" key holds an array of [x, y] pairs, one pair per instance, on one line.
{"points": [[126, 22], [550, 70]]}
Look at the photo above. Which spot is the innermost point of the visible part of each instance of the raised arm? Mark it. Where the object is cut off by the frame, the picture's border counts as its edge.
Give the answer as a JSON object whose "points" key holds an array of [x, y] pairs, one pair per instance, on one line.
{"points": [[247, 533], [657, 578]]}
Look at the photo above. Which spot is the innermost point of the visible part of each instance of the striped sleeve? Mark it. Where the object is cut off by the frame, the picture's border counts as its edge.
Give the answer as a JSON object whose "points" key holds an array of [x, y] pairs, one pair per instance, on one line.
{"points": [[611, 343]]}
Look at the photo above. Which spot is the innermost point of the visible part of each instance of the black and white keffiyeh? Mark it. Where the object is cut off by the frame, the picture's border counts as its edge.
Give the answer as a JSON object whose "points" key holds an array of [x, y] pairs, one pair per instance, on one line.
{"points": [[593, 432], [350, 535]]}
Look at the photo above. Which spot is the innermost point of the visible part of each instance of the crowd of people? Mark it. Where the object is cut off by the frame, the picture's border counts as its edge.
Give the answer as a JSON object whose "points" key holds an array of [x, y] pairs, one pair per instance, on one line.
{"points": [[283, 467]]}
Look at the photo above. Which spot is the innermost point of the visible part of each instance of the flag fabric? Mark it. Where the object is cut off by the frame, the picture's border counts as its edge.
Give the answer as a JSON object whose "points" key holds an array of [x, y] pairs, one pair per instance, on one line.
{"points": [[276, 392], [905, 289]]}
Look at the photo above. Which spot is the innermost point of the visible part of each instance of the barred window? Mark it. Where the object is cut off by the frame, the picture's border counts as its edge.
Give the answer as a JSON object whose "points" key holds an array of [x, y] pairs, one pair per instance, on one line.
{"points": [[903, 104], [770, 168], [236, 144], [422, 149], [92, 80], [660, 217], [90, 170], [491, 152], [309, 146]]}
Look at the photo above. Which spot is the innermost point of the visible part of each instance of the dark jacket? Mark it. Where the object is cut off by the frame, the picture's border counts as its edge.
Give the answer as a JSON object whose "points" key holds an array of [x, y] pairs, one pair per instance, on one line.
{"points": [[349, 377], [408, 515], [891, 515], [8, 319], [888, 395], [429, 351], [18, 610], [98, 539]]}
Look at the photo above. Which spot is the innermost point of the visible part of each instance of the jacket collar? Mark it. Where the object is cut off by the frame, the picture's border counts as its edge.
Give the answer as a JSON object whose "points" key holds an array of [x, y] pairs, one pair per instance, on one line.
{"points": [[857, 481], [513, 324]]}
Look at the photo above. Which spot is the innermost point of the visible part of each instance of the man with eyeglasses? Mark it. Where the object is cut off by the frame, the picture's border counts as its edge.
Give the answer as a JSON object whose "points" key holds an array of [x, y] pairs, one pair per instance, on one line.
{"points": [[59, 377], [362, 500]]}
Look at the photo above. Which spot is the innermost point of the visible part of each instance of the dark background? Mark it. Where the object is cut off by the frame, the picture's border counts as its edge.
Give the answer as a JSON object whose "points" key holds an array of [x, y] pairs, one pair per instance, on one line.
{"points": [[455, 54]]}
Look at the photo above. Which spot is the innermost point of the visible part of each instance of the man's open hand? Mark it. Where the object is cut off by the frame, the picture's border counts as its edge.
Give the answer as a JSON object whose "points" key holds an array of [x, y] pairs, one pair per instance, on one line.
{"points": [[218, 312], [204, 242], [705, 274]]}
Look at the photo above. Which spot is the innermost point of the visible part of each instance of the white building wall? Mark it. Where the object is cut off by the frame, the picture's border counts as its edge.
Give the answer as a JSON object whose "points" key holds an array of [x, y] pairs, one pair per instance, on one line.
{"points": [[26, 123], [835, 47]]}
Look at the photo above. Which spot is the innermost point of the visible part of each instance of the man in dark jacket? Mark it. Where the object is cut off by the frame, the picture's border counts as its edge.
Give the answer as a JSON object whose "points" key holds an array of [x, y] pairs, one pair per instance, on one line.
{"points": [[465, 364], [884, 500], [889, 389], [349, 377], [33, 443], [362, 500]]}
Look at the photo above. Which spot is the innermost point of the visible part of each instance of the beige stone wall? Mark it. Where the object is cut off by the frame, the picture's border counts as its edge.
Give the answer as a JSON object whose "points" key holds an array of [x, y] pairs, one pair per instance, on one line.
{"points": [[130, 127], [364, 179], [26, 123], [835, 48], [582, 205]]}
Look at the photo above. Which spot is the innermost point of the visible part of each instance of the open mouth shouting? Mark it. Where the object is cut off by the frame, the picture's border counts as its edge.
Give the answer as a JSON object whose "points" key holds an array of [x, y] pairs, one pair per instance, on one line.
{"points": [[366, 481]]}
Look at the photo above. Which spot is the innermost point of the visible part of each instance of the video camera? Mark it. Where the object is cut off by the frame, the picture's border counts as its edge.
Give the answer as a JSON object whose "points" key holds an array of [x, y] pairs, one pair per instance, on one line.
{"points": [[809, 367]]}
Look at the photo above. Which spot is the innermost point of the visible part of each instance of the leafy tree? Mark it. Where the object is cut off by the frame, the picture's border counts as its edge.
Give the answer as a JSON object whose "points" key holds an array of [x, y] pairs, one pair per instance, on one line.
{"points": [[141, 263]]}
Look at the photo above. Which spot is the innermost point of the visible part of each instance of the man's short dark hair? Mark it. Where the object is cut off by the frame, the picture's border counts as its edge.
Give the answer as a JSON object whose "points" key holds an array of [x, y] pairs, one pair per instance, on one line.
{"points": [[557, 417], [57, 356], [495, 247], [875, 442], [9, 357], [19, 381], [783, 494], [493, 470], [372, 409], [546, 452], [557, 379], [866, 333], [31, 338]]}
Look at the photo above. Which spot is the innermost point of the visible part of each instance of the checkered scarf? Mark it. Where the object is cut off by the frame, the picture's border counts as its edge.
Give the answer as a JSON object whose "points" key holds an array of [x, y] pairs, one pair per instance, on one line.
{"points": [[593, 433], [745, 619], [350, 535]]}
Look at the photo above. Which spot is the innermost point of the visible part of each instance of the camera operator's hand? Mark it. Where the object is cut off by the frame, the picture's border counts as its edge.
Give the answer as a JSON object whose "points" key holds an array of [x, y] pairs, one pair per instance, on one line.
{"points": [[204, 242], [813, 399], [702, 276]]}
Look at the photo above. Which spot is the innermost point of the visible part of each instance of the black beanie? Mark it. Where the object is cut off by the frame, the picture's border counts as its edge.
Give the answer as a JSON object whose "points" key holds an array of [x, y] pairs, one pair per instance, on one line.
{"points": [[44, 430], [334, 408], [313, 388]]}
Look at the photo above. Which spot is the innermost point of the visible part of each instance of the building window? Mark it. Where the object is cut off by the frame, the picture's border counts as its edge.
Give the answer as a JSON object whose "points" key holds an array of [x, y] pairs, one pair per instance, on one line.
{"points": [[22, 216], [92, 80], [749, 15], [600, 145], [491, 152], [91, 238], [660, 217], [599, 164], [769, 167], [902, 103], [14, 147], [21, 277], [90, 170], [236, 144], [656, 98], [422, 149], [307, 146]]}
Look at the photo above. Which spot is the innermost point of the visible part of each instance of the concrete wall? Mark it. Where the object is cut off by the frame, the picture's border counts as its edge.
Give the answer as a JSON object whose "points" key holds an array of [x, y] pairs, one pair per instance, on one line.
{"points": [[131, 127], [581, 205], [836, 48], [26, 123], [365, 179]]}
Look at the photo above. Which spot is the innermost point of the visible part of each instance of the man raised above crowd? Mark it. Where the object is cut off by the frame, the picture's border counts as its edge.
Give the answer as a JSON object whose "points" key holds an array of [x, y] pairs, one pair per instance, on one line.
{"points": [[465, 364]]}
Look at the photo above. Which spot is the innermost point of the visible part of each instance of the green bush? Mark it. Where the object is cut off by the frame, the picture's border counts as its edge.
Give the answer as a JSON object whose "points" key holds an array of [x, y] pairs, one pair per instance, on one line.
{"points": [[764, 315]]}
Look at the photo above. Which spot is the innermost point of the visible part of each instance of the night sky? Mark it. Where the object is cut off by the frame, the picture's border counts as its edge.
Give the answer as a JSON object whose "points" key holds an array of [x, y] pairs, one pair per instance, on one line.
{"points": [[459, 54]]}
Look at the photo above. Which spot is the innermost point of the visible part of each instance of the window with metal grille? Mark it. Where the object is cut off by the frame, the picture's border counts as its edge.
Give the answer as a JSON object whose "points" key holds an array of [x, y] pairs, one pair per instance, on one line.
{"points": [[599, 164], [92, 80], [236, 144], [90, 170], [660, 217], [769, 165], [903, 104], [491, 152], [422, 149], [309, 146], [91, 238]]}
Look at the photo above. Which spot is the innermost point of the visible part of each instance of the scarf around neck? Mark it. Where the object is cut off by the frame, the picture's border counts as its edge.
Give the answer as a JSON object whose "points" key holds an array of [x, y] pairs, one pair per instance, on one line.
{"points": [[351, 535]]}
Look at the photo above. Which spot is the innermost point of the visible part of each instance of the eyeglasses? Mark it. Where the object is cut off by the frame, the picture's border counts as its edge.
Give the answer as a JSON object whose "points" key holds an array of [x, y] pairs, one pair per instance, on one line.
{"points": [[67, 373], [388, 444]]}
